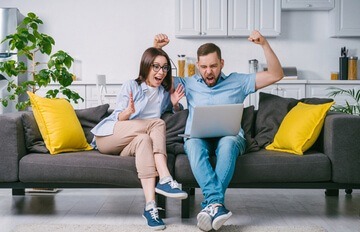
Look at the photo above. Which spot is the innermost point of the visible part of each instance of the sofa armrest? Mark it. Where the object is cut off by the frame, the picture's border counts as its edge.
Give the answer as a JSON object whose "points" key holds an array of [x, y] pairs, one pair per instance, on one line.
{"points": [[342, 146], [12, 146]]}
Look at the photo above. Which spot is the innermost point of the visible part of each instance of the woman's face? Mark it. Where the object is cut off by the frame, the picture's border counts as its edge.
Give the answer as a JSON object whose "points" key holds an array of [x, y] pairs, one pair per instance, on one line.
{"points": [[157, 73]]}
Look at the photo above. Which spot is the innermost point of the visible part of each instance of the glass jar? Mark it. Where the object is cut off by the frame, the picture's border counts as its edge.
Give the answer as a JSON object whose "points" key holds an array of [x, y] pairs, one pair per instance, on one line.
{"points": [[352, 69], [190, 64], [253, 66], [181, 65]]}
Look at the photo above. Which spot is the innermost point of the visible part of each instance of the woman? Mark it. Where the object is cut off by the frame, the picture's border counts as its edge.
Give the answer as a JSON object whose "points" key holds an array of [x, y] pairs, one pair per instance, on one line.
{"points": [[135, 129]]}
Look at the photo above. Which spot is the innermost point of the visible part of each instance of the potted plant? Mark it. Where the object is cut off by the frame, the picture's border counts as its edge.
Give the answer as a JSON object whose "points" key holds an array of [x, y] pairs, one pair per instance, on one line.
{"points": [[347, 108], [30, 43]]}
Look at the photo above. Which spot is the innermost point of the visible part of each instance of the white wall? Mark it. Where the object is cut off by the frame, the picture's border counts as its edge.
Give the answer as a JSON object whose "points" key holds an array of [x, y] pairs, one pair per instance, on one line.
{"points": [[109, 36]]}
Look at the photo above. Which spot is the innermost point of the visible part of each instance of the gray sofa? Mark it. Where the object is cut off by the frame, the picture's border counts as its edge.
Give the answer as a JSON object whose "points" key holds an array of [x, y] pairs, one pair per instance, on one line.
{"points": [[332, 163]]}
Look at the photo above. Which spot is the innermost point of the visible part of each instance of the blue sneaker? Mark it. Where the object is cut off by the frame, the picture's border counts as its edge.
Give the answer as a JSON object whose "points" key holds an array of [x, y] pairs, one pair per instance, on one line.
{"points": [[153, 220], [219, 215], [171, 189]]}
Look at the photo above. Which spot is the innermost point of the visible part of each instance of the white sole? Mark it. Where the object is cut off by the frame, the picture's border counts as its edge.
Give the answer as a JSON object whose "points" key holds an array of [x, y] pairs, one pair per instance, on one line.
{"points": [[154, 227], [204, 221], [219, 221], [180, 196]]}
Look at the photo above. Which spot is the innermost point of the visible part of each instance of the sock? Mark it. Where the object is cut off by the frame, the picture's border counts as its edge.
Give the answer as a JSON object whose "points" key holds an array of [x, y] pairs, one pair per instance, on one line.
{"points": [[165, 179], [150, 205]]}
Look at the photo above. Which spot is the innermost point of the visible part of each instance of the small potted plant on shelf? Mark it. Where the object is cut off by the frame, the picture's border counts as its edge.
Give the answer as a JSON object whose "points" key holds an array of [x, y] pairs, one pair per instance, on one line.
{"points": [[30, 43], [347, 108]]}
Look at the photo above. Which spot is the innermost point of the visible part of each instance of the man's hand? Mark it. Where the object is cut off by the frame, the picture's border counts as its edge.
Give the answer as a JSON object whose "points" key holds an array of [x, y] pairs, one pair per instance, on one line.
{"points": [[161, 40], [257, 38]]}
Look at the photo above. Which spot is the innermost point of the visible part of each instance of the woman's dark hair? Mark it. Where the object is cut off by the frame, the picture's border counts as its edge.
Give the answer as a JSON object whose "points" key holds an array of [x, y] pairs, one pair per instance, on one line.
{"points": [[146, 63], [208, 48]]}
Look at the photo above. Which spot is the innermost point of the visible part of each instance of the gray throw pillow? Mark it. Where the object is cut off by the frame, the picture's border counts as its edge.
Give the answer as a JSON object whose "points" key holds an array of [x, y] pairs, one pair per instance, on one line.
{"points": [[33, 139], [248, 125], [271, 112], [88, 119], [175, 124]]}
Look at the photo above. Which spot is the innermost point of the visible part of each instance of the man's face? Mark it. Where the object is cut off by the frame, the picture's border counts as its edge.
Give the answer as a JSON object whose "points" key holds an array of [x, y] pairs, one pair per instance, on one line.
{"points": [[210, 68]]}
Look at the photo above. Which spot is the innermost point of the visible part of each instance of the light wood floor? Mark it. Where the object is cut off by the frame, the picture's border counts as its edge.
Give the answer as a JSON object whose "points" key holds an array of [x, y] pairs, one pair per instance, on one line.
{"points": [[124, 206]]}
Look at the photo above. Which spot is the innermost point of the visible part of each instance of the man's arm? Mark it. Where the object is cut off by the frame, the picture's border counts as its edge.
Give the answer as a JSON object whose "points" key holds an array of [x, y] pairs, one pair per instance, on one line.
{"points": [[274, 71]]}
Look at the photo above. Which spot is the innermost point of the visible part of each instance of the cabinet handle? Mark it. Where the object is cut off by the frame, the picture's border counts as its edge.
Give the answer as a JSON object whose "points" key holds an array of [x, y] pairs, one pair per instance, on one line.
{"points": [[308, 5]]}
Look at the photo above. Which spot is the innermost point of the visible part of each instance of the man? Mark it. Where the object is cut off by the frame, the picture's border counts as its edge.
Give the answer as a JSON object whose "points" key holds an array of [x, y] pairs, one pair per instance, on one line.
{"points": [[212, 87]]}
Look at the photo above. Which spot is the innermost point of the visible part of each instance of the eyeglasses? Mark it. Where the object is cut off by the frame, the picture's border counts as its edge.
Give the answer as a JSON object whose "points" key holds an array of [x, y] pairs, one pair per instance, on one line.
{"points": [[157, 67]]}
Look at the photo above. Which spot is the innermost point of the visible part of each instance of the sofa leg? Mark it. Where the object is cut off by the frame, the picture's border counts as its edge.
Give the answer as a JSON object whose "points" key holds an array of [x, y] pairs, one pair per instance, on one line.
{"points": [[348, 191], [18, 192], [192, 191], [332, 192], [185, 204], [161, 202]]}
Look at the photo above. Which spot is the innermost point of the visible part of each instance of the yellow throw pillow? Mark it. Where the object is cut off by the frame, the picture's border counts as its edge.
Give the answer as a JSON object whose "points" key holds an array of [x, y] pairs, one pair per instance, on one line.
{"points": [[58, 125], [300, 128]]}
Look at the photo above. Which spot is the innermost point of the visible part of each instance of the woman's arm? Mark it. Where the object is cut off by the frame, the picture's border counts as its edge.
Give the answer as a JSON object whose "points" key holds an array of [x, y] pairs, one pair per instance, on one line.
{"points": [[160, 41]]}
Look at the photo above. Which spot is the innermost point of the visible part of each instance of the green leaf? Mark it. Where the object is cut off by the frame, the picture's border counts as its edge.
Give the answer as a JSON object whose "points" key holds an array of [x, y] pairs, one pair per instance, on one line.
{"points": [[31, 15], [34, 26], [31, 38], [4, 102]]}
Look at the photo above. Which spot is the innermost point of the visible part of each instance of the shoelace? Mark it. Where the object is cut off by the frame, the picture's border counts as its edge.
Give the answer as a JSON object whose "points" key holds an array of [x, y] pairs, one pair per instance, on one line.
{"points": [[212, 209], [173, 184], [154, 213]]}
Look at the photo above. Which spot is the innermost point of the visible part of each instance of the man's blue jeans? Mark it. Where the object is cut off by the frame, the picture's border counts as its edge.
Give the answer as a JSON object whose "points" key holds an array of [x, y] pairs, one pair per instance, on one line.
{"points": [[214, 182]]}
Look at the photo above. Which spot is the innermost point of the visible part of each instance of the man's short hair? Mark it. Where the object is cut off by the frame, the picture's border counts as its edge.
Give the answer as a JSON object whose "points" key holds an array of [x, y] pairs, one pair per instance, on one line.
{"points": [[208, 48]]}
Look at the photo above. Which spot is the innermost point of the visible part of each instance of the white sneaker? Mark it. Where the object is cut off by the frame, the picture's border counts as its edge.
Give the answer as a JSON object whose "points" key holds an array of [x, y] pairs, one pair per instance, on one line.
{"points": [[204, 219]]}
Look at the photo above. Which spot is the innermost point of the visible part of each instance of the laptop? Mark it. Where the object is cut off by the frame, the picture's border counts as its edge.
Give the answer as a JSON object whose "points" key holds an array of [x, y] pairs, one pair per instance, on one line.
{"points": [[216, 121]]}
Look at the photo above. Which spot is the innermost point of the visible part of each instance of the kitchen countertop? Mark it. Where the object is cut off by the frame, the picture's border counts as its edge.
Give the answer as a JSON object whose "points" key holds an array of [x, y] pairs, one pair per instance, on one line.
{"points": [[320, 82]]}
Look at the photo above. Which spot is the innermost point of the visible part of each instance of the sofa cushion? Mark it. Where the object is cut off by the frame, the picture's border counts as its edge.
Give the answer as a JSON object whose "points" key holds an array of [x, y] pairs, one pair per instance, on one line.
{"points": [[88, 119], [300, 128], [272, 110], [79, 167], [86, 167], [267, 167]]}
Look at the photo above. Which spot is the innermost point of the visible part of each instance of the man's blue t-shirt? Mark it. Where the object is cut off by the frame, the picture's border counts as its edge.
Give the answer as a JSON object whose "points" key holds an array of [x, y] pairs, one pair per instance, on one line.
{"points": [[230, 89]]}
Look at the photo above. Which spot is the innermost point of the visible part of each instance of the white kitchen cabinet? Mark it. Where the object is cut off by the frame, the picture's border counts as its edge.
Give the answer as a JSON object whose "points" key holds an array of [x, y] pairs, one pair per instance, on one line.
{"points": [[194, 18], [344, 19], [241, 17], [288, 89], [321, 89], [248, 15], [307, 4], [199, 18], [268, 17]]}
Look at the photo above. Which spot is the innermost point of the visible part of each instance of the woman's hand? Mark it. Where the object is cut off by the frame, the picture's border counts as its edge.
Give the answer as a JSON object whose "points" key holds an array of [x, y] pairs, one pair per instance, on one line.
{"points": [[161, 40], [130, 109], [176, 95]]}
